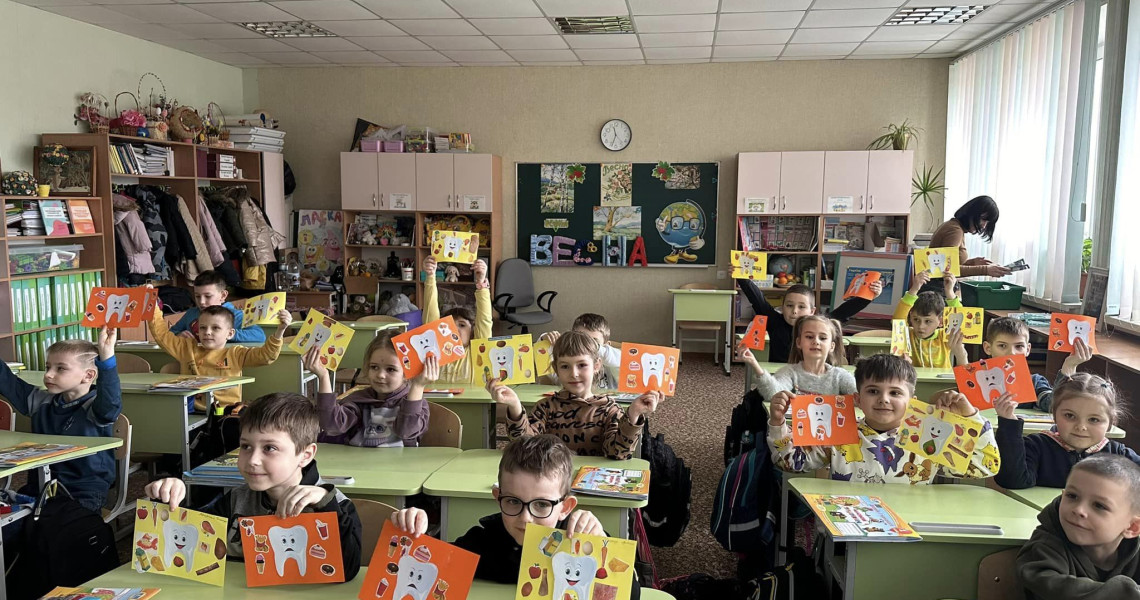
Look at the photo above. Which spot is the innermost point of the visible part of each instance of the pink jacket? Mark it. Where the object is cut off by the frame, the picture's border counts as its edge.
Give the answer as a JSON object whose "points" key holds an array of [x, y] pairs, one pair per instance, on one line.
{"points": [[210, 235], [132, 235]]}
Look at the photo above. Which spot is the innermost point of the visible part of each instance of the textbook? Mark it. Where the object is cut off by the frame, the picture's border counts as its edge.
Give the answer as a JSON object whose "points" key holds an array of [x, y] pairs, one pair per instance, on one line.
{"points": [[188, 382], [81, 219], [98, 593], [614, 483], [26, 452], [860, 519], [442, 392]]}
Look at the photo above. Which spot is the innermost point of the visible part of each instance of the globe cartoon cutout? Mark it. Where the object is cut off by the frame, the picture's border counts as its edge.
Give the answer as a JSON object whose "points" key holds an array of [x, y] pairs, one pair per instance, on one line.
{"points": [[682, 226]]}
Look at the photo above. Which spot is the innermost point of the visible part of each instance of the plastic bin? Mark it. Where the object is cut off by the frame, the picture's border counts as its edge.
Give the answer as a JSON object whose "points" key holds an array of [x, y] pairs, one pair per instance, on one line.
{"points": [[992, 294], [41, 259]]}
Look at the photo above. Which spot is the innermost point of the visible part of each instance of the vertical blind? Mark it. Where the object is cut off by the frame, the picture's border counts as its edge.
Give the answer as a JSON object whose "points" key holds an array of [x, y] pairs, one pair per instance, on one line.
{"points": [[1124, 268]]}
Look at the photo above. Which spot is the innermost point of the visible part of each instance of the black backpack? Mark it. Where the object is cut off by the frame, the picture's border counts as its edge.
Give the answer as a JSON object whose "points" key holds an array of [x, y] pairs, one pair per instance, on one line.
{"points": [[748, 427], [670, 489], [220, 434]]}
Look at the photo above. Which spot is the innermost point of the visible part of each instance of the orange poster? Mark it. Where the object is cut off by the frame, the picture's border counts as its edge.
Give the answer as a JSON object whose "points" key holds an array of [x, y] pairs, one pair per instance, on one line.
{"points": [[423, 568], [301, 549], [757, 329], [440, 338], [1064, 329], [861, 285], [645, 368], [824, 421], [119, 307], [984, 381]]}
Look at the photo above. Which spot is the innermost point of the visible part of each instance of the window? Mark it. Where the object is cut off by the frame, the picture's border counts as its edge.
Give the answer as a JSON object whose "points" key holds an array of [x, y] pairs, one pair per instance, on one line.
{"points": [[1124, 269]]}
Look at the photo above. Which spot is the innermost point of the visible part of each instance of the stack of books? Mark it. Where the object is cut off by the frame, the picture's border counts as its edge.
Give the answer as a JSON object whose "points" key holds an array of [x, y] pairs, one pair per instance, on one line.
{"points": [[257, 138], [221, 472], [31, 223], [26, 452], [632, 484], [221, 166], [12, 218], [145, 159]]}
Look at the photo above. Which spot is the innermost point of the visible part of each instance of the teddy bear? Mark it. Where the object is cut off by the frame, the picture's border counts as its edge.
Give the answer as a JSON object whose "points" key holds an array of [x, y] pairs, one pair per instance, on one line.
{"points": [[451, 273]]}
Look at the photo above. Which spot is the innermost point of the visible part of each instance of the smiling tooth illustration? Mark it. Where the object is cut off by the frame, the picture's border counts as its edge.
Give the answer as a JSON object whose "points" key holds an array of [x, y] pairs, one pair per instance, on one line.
{"points": [[937, 262], [425, 344], [747, 264], [452, 246], [574, 573], [819, 419], [954, 323], [117, 305], [503, 361], [289, 543], [935, 434], [415, 578], [1079, 330], [180, 539], [990, 381], [652, 365]]}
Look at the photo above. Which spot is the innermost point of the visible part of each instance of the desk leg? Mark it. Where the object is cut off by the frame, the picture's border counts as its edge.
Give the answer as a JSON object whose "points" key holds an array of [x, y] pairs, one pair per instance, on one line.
{"points": [[782, 542], [3, 577], [43, 475], [623, 523], [729, 336], [849, 574], [442, 520]]}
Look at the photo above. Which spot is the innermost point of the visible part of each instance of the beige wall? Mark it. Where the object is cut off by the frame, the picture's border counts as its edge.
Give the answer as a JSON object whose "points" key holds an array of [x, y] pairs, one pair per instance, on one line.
{"points": [[48, 60], [706, 112]]}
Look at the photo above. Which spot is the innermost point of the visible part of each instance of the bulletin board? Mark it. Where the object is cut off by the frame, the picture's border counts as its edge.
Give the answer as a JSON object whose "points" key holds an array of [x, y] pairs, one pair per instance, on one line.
{"points": [[567, 210]]}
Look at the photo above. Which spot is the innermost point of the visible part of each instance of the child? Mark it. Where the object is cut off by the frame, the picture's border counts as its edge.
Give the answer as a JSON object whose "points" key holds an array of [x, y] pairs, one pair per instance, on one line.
{"points": [[799, 300], [210, 290], [590, 425], [930, 345], [1085, 406], [811, 367], [1005, 336], [471, 326], [886, 385], [277, 461], [69, 406], [1086, 545], [534, 487], [595, 326], [210, 356], [390, 412]]}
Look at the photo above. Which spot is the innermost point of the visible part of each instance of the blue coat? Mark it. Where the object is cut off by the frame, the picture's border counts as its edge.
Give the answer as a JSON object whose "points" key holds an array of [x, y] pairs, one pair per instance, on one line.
{"points": [[252, 334], [1038, 460]]}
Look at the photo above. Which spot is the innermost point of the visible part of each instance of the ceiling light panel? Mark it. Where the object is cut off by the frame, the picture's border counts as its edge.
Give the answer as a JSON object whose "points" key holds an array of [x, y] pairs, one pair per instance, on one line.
{"points": [[935, 15]]}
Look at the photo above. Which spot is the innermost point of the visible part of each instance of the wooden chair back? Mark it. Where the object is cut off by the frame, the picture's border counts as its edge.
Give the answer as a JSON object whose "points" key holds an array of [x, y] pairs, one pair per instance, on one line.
{"points": [[372, 514], [131, 363], [997, 576], [7, 417], [873, 333], [445, 430], [174, 368]]}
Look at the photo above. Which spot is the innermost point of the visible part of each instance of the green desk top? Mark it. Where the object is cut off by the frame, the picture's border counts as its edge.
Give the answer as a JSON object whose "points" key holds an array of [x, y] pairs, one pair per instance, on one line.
{"points": [[705, 292], [382, 471], [924, 374], [473, 393], [91, 446], [867, 340], [942, 503], [1036, 498], [358, 325], [141, 382], [471, 475]]}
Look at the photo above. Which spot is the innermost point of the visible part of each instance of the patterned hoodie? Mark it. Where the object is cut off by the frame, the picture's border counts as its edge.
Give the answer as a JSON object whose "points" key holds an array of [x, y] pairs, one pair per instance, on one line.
{"points": [[364, 418], [594, 426]]}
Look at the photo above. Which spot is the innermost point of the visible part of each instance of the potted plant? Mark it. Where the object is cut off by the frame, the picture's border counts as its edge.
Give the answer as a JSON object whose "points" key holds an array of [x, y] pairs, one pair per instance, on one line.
{"points": [[897, 137], [1086, 260], [926, 184]]}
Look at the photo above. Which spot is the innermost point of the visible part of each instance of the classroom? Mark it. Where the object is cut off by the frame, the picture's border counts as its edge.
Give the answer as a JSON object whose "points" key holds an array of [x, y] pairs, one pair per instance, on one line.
{"points": [[709, 298]]}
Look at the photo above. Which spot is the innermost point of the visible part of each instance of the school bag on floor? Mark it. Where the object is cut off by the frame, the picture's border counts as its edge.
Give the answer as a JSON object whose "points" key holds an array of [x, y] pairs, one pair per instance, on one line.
{"points": [[746, 504], [670, 489], [748, 426]]}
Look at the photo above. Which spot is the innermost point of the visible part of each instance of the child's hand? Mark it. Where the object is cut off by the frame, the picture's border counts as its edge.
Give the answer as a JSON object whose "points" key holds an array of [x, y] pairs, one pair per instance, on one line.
{"points": [[479, 271], [284, 318], [645, 404], [312, 362], [955, 402], [552, 336], [296, 498], [170, 490], [876, 287], [107, 339], [777, 412], [502, 394], [920, 279], [948, 283], [1081, 354], [956, 339], [411, 520], [1004, 405], [583, 521], [744, 354], [429, 267], [429, 373]]}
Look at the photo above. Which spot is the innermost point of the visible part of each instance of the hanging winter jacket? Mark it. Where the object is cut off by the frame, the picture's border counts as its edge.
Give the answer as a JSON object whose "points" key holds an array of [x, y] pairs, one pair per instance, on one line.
{"points": [[214, 244], [228, 220], [179, 246], [252, 276], [132, 235], [262, 238], [149, 213], [202, 261]]}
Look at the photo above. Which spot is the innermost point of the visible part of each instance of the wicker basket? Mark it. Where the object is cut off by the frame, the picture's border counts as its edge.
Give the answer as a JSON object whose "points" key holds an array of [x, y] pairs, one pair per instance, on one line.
{"points": [[156, 109], [117, 126], [185, 124]]}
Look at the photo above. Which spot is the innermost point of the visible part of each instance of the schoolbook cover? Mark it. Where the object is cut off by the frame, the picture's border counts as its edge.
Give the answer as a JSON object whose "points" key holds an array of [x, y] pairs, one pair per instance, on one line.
{"points": [[615, 483], [860, 518], [81, 220], [55, 217]]}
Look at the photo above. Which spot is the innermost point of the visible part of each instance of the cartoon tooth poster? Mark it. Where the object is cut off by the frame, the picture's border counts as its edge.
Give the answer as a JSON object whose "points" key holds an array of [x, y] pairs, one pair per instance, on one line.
{"points": [[587, 567], [454, 246], [938, 261], [325, 333], [543, 358], [645, 368], [440, 338], [509, 358], [119, 307], [970, 320], [421, 569], [823, 420], [181, 542], [301, 549], [860, 286], [1064, 329], [984, 381], [749, 265], [757, 329], [939, 435], [263, 308]]}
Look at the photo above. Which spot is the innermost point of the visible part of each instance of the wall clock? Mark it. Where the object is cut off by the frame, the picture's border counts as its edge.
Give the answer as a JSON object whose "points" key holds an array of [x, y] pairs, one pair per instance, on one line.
{"points": [[616, 135]]}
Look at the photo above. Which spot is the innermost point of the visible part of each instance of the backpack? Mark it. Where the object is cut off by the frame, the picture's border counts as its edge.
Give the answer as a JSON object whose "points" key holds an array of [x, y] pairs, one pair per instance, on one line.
{"points": [[749, 425], [670, 488], [745, 505], [218, 436], [797, 580]]}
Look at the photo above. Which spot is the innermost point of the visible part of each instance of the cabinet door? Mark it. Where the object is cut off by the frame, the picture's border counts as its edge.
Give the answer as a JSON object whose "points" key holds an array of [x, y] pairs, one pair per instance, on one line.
{"points": [[397, 181], [474, 187], [435, 182], [758, 183], [889, 182], [359, 181], [845, 182], [801, 183]]}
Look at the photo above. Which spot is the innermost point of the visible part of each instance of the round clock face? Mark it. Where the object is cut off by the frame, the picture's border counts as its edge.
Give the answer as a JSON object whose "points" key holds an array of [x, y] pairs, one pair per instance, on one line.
{"points": [[616, 134]]}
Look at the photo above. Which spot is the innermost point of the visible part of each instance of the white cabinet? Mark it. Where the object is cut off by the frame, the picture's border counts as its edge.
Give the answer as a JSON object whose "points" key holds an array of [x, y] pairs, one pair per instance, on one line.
{"points": [[435, 181], [411, 182], [758, 183], [359, 181], [845, 182], [801, 183], [474, 181], [889, 175], [397, 181]]}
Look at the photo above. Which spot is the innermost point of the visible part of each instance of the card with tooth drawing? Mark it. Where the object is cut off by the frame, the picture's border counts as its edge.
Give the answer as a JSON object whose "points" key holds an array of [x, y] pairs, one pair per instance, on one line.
{"points": [[971, 322], [508, 358], [938, 261], [454, 246], [119, 307], [754, 338], [543, 358], [749, 265], [324, 333], [938, 434], [645, 368], [423, 568], [180, 542], [301, 549], [440, 338], [1064, 329], [823, 420], [984, 381], [587, 567], [263, 308]]}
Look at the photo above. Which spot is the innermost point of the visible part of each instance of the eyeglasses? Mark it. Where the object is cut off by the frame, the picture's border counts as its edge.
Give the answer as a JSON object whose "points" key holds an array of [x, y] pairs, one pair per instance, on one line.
{"points": [[539, 508]]}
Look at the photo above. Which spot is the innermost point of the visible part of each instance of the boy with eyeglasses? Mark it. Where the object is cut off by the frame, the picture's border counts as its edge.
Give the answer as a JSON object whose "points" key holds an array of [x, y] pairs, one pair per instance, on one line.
{"points": [[534, 487]]}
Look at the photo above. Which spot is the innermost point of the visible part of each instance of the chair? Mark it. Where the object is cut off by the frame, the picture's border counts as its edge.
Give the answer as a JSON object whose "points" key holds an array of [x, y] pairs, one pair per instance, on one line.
{"points": [[131, 363], [715, 326], [515, 289], [372, 515], [346, 378], [123, 470], [997, 576], [7, 423], [873, 333], [379, 319], [174, 368], [445, 430]]}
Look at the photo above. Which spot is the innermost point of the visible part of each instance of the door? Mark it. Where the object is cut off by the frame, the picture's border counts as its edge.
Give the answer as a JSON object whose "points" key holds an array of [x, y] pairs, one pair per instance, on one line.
{"points": [[359, 181], [397, 181], [801, 183], [889, 182], [758, 183], [845, 182], [435, 182], [273, 190], [474, 182]]}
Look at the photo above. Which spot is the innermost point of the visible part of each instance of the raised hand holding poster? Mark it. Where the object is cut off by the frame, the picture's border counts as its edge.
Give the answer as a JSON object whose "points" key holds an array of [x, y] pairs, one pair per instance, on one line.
{"points": [[938, 261], [439, 338], [301, 549], [423, 568], [454, 246], [645, 368], [823, 420], [508, 358], [324, 333], [860, 286], [179, 542], [1064, 329], [984, 381], [749, 265], [119, 307], [585, 567], [757, 331], [939, 435], [263, 309]]}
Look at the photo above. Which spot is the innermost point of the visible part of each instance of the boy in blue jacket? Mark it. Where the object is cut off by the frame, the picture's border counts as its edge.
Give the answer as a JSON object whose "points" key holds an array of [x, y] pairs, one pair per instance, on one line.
{"points": [[210, 290]]}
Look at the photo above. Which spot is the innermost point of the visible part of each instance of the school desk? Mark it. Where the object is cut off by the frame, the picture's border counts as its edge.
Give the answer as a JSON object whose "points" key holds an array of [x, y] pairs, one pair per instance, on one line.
{"points": [[464, 488], [388, 475], [942, 565], [706, 306], [867, 345], [1036, 498], [930, 381]]}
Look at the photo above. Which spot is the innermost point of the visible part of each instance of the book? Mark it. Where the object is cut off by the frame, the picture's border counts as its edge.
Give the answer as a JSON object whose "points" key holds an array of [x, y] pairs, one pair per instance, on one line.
{"points": [[860, 518], [55, 217], [26, 452], [613, 483], [188, 382], [442, 392], [98, 593], [81, 220]]}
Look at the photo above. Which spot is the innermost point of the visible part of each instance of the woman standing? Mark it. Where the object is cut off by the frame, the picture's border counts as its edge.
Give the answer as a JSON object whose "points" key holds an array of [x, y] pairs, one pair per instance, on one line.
{"points": [[978, 217]]}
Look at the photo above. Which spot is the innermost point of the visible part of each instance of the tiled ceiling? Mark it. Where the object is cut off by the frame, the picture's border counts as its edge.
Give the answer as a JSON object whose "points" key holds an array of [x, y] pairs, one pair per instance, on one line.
{"points": [[522, 32]]}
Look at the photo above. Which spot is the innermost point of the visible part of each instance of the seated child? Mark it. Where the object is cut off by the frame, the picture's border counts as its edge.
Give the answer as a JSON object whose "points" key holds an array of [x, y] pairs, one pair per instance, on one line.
{"points": [[471, 326], [590, 425], [534, 487], [82, 397], [595, 326], [277, 461], [930, 345], [210, 290], [210, 356], [886, 385], [391, 411], [1086, 545], [1006, 336], [1085, 406], [799, 300], [811, 367]]}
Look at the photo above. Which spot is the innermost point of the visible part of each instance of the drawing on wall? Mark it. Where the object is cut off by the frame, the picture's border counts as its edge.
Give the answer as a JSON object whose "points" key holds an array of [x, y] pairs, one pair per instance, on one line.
{"points": [[616, 221], [684, 177], [617, 184], [682, 226], [320, 238], [557, 192]]}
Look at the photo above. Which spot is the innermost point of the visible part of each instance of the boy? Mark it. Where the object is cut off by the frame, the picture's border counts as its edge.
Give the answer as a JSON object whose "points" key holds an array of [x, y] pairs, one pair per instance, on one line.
{"points": [[1086, 545], [799, 300], [885, 385], [533, 487], [210, 356], [595, 326], [930, 345], [277, 461], [471, 326], [69, 406], [210, 290], [1006, 336]]}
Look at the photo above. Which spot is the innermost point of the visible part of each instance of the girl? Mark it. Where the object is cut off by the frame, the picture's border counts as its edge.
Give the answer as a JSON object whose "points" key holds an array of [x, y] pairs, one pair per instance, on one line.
{"points": [[590, 425], [470, 326], [812, 365], [1085, 406], [390, 412]]}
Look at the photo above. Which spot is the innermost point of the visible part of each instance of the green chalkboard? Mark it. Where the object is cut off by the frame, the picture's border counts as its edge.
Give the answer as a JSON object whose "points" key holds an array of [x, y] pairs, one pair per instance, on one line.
{"points": [[562, 220]]}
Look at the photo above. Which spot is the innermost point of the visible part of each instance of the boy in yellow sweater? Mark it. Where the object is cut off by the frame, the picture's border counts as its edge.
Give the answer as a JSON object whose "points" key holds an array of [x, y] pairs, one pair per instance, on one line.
{"points": [[930, 345], [471, 326]]}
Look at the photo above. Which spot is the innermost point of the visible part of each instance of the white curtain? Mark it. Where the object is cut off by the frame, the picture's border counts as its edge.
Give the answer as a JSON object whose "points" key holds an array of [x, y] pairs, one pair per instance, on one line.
{"points": [[1010, 134], [1124, 268]]}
